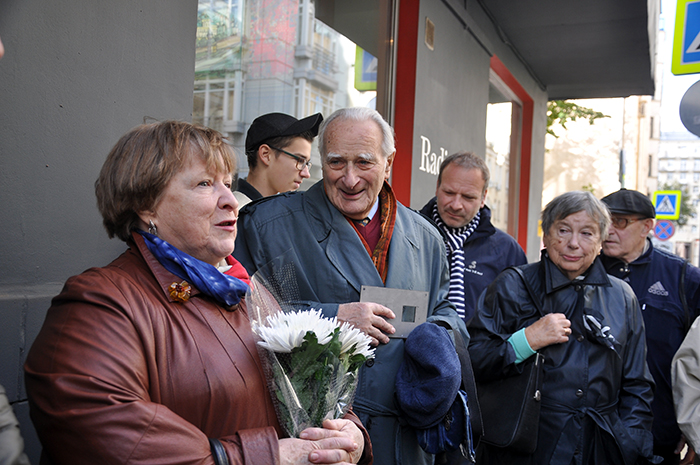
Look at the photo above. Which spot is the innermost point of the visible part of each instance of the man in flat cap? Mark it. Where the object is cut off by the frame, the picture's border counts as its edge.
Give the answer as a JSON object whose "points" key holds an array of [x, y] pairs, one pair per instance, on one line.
{"points": [[278, 148], [668, 290]]}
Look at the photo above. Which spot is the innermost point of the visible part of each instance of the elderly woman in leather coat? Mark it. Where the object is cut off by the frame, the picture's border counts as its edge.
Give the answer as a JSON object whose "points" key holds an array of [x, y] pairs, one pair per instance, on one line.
{"points": [[597, 389], [151, 359]]}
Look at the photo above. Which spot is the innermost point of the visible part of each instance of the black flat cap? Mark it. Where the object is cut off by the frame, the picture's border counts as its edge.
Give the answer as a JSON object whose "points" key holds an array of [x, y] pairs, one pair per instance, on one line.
{"points": [[629, 202], [273, 125]]}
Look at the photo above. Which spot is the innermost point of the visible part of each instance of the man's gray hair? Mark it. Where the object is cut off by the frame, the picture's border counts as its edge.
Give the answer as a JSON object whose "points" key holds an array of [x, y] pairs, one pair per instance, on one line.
{"points": [[469, 161], [358, 114], [573, 202]]}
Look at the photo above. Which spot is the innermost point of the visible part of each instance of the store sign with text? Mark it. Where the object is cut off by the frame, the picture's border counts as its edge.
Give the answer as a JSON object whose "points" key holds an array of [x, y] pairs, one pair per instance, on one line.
{"points": [[429, 160]]}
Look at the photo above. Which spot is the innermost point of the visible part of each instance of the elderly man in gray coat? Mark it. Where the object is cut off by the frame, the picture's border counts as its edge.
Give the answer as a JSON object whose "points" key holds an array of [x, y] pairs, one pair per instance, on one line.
{"points": [[348, 231]]}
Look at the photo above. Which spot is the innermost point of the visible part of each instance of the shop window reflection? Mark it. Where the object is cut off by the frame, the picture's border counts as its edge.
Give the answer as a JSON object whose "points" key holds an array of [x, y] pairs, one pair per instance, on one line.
{"points": [[260, 56]]}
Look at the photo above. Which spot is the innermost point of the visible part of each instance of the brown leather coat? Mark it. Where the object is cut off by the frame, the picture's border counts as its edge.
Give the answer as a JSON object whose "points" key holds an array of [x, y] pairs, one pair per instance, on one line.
{"points": [[121, 373]]}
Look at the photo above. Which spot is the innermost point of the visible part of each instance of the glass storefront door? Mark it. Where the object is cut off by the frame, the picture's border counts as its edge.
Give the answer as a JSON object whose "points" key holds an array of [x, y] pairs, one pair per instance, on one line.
{"points": [[503, 126]]}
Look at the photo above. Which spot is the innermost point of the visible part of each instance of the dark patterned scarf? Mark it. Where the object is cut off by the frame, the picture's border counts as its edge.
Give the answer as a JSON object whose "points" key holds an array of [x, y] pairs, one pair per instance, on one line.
{"points": [[387, 218]]}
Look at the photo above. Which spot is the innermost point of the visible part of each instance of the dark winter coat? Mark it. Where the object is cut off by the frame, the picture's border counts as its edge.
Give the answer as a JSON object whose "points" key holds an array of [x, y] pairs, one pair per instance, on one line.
{"points": [[596, 401]]}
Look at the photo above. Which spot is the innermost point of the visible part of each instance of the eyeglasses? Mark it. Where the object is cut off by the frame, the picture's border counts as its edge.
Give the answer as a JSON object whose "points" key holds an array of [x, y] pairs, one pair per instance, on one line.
{"points": [[301, 161], [622, 223]]}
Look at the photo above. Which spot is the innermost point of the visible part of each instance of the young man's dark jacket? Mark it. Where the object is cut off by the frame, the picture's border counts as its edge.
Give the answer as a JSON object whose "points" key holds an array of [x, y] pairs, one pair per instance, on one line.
{"points": [[487, 252], [243, 186]]}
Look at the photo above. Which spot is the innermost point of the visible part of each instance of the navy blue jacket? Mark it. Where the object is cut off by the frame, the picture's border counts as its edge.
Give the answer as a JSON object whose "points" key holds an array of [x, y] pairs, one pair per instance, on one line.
{"points": [[655, 278], [487, 252]]}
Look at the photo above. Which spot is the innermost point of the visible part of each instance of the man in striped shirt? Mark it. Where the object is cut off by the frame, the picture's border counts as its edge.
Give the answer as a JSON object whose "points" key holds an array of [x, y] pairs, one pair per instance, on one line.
{"points": [[476, 250]]}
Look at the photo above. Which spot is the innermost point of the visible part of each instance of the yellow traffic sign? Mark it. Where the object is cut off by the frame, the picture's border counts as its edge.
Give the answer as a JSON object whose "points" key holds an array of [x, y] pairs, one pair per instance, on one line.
{"points": [[667, 205], [365, 70], [686, 38]]}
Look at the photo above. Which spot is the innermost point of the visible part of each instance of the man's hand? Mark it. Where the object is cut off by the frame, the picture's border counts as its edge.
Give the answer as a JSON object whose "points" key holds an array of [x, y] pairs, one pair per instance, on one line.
{"points": [[553, 328], [367, 317], [339, 442]]}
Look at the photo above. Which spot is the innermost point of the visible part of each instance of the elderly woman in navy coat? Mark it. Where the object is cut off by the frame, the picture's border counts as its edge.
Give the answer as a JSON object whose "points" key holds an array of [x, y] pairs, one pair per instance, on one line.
{"points": [[597, 389]]}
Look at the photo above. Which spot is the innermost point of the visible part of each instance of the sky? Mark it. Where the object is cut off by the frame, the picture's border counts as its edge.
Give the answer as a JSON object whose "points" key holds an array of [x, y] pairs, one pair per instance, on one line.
{"points": [[673, 87]]}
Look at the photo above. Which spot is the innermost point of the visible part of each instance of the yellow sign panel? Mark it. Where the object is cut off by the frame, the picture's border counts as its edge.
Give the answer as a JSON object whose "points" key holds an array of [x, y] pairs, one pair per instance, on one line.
{"points": [[365, 70], [667, 205], [686, 38]]}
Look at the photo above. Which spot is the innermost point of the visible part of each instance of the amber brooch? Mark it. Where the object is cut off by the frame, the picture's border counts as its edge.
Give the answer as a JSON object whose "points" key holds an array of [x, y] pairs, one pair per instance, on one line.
{"points": [[180, 292]]}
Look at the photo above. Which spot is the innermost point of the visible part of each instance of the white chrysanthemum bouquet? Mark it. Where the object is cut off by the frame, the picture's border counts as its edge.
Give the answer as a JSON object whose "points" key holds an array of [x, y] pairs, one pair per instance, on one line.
{"points": [[311, 361]]}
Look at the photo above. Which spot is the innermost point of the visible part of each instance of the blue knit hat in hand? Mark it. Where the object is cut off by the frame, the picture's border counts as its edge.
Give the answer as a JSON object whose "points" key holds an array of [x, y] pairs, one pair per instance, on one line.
{"points": [[429, 376]]}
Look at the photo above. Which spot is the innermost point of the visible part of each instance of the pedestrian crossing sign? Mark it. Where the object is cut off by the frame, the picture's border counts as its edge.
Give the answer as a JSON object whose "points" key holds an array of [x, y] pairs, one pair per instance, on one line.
{"points": [[667, 205], [686, 38], [366, 67]]}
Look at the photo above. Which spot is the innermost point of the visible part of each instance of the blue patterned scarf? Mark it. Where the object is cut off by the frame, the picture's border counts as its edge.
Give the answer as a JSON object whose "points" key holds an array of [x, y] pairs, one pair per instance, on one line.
{"points": [[225, 289]]}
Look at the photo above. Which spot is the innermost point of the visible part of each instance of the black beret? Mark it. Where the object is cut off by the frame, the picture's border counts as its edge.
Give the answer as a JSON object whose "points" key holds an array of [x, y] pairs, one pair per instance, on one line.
{"points": [[630, 202], [274, 125]]}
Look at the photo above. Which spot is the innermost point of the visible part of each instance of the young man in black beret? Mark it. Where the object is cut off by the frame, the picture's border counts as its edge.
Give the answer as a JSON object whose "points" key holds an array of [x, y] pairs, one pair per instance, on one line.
{"points": [[668, 290], [278, 148]]}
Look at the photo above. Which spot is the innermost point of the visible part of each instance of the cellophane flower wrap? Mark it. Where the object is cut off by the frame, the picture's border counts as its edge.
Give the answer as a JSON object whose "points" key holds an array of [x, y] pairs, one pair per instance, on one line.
{"points": [[311, 362]]}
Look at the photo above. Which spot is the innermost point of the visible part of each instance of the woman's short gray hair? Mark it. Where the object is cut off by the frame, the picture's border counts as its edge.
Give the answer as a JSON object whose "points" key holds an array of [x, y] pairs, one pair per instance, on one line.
{"points": [[573, 202], [358, 114]]}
